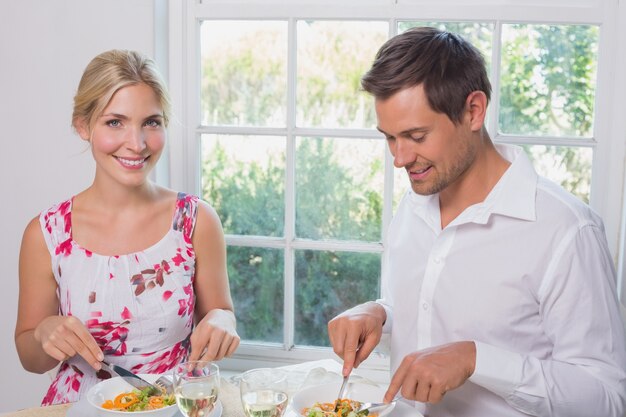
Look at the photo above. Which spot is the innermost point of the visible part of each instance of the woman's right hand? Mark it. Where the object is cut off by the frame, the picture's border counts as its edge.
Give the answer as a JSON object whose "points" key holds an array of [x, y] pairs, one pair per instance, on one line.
{"points": [[63, 337]]}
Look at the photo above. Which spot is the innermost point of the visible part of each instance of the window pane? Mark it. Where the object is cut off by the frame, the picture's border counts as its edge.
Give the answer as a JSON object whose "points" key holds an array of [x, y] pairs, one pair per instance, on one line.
{"points": [[478, 34], [548, 79], [243, 178], [244, 73], [332, 58], [401, 185], [339, 184], [326, 284], [256, 283], [568, 166]]}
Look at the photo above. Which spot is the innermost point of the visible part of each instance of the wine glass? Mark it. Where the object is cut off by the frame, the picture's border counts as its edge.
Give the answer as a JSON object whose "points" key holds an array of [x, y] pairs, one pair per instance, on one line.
{"points": [[264, 392], [196, 387]]}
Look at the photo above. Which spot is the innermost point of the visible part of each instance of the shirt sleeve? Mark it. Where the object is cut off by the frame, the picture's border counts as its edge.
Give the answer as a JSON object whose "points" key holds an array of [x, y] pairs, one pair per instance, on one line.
{"points": [[385, 301], [585, 375]]}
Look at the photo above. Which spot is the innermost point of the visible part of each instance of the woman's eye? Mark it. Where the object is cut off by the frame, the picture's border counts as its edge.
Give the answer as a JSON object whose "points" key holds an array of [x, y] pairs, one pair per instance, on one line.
{"points": [[153, 123], [113, 123]]}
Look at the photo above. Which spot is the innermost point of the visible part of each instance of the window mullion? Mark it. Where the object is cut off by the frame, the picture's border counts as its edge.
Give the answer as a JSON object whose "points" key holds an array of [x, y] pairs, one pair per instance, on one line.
{"points": [[290, 190], [496, 54]]}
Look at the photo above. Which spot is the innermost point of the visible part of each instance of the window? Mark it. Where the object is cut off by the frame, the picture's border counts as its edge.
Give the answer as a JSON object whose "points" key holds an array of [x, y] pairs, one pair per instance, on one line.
{"points": [[281, 141]]}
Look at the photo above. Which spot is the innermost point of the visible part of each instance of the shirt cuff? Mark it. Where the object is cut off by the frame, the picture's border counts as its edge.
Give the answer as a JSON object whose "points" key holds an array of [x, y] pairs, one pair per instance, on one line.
{"points": [[498, 370], [389, 320]]}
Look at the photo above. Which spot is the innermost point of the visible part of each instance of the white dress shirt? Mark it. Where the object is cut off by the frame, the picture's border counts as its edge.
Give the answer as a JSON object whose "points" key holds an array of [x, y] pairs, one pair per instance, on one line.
{"points": [[526, 275]]}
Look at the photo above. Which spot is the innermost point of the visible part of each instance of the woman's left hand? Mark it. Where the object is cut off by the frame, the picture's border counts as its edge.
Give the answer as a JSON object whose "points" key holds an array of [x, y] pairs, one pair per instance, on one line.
{"points": [[214, 337]]}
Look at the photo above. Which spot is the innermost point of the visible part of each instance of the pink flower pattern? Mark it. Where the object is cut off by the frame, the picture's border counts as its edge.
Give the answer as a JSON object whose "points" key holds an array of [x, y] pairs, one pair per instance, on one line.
{"points": [[138, 307]]}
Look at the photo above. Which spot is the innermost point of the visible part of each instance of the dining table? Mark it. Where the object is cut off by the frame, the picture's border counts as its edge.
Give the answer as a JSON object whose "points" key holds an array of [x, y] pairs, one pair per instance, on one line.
{"points": [[299, 374]]}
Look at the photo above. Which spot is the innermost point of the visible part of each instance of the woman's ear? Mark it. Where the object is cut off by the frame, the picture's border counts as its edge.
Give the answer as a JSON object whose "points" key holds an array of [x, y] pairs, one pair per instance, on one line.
{"points": [[476, 104], [82, 128]]}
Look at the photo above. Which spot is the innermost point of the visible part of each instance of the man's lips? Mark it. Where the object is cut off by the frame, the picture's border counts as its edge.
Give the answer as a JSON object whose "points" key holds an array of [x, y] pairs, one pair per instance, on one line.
{"points": [[419, 174]]}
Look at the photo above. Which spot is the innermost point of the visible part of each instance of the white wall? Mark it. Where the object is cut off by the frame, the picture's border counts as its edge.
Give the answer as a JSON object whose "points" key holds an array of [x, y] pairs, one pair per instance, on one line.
{"points": [[44, 47]]}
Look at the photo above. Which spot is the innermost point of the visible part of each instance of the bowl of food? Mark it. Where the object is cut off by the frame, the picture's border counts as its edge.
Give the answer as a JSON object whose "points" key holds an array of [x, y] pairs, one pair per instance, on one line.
{"points": [[115, 397], [319, 400]]}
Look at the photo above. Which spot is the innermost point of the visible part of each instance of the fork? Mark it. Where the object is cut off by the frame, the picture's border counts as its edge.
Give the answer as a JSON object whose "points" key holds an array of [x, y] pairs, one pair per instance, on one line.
{"points": [[342, 392], [376, 408], [165, 384]]}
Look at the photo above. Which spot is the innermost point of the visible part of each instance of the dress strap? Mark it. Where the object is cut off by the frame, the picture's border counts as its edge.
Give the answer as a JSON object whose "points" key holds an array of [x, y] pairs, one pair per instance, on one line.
{"points": [[56, 226], [185, 214]]}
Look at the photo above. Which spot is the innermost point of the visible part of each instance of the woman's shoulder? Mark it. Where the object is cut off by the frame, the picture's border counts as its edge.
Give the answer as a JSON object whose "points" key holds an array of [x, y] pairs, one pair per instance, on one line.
{"points": [[60, 208], [192, 208], [56, 216]]}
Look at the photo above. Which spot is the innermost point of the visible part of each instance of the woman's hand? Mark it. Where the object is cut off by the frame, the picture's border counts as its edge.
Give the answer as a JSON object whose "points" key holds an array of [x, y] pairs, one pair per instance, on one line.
{"points": [[214, 337], [63, 337]]}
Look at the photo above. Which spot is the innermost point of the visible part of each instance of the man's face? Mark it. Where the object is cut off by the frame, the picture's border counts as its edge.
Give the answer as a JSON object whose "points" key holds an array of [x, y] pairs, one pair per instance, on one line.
{"points": [[435, 152]]}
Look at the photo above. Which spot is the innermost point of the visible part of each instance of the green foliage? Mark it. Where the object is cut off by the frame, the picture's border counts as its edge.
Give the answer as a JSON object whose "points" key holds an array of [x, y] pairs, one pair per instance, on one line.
{"points": [[332, 58], [548, 80], [249, 198], [256, 280], [327, 283], [244, 82], [547, 88], [330, 202]]}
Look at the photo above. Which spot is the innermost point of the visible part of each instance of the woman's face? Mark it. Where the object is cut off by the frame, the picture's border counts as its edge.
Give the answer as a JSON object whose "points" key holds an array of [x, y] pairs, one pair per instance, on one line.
{"points": [[128, 137]]}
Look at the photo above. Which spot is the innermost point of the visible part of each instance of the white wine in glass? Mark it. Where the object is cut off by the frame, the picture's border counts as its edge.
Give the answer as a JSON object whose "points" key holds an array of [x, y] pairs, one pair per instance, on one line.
{"points": [[196, 387], [264, 392]]}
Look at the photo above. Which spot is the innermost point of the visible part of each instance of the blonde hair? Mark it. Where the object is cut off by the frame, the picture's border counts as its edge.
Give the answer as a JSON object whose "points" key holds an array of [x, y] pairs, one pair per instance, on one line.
{"points": [[109, 72]]}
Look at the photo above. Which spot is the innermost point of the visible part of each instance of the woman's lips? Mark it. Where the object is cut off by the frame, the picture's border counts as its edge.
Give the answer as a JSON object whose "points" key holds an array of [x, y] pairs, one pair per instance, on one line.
{"points": [[131, 163]]}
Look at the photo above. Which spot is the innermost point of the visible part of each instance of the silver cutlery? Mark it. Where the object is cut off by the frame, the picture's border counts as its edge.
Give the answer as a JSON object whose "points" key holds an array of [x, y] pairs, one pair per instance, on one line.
{"points": [[342, 392], [376, 408], [134, 380], [165, 384]]}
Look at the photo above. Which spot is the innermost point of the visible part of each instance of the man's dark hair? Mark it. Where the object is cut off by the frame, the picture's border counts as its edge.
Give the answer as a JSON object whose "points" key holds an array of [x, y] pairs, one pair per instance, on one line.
{"points": [[448, 66]]}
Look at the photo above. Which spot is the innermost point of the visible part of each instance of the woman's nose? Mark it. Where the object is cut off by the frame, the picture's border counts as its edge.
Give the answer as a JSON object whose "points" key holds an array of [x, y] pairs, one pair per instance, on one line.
{"points": [[136, 140]]}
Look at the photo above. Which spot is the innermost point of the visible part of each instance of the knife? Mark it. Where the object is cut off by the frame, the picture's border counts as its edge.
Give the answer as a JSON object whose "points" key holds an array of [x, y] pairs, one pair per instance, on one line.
{"points": [[134, 380]]}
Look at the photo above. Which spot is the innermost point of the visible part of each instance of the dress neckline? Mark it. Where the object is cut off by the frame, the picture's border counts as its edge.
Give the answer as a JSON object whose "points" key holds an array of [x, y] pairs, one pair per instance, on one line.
{"points": [[150, 248]]}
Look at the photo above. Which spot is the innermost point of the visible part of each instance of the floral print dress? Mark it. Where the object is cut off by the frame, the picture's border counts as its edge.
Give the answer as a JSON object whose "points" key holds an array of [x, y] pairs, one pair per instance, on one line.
{"points": [[138, 307]]}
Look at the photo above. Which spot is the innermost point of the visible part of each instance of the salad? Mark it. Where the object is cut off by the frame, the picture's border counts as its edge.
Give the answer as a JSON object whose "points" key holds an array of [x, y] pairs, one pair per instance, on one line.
{"points": [[345, 408], [137, 400]]}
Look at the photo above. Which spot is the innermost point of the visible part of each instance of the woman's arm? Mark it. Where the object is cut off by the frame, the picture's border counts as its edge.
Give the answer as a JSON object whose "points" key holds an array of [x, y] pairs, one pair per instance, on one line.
{"points": [[215, 335], [42, 336]]}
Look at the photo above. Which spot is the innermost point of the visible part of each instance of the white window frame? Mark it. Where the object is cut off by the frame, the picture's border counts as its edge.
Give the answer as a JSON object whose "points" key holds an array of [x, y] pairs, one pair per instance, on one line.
{"points": [[608, 139]]}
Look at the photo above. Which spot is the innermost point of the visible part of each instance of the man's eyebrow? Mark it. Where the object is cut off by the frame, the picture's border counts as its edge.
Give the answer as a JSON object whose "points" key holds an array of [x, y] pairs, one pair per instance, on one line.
{"points": [[406, 132]]}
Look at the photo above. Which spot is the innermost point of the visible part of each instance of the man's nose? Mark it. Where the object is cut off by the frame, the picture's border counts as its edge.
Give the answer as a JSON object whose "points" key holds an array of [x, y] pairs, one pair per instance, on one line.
{"points": [[402, 153]]}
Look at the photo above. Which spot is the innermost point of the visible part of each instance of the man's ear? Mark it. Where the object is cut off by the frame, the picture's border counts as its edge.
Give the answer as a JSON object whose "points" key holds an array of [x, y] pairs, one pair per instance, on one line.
{"points": [[476, 105], [82, 128]]}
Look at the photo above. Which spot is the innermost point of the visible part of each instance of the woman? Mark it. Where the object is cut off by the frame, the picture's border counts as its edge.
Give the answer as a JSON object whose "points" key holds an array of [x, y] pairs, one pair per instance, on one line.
{"points": [[126, 271]]}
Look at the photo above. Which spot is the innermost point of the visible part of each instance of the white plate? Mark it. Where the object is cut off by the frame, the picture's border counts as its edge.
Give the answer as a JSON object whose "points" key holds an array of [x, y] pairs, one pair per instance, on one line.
{"points": [[83, 409], [327, 393]]}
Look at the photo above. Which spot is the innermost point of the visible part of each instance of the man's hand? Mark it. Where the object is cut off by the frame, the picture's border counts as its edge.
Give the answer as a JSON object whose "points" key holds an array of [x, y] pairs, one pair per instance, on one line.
{"points": [[428, 374], [355, 333]]}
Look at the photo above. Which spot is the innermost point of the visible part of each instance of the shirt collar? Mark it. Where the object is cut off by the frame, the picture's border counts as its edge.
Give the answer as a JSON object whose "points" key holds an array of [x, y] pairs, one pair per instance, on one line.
{"points": [[512, 196]]}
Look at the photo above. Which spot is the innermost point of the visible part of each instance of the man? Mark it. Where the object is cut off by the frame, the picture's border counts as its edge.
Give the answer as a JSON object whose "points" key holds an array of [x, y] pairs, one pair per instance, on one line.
{"points": [[498, 285]]}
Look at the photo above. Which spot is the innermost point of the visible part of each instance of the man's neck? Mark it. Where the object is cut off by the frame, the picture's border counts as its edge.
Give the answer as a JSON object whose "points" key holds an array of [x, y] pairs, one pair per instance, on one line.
{"points": [[475, 184]]}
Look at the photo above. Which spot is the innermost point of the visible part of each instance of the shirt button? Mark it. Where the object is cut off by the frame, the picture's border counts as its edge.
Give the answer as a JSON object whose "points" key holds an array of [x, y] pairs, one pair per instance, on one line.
{"points": [[437, 260], [425, 306]]}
